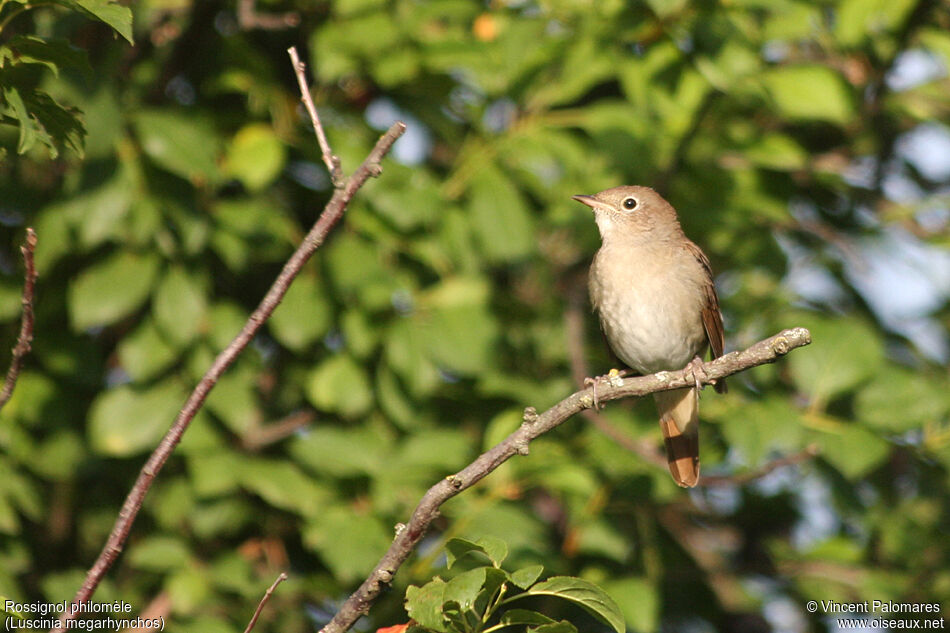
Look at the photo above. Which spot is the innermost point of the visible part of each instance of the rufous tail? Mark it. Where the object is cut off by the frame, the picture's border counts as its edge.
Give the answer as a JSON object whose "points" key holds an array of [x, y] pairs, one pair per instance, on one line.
{"points": [[679, 421]]}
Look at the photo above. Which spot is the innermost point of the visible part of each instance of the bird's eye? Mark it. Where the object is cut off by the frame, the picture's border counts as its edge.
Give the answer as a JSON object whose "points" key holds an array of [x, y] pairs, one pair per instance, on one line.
{"points": [[630, 204]]}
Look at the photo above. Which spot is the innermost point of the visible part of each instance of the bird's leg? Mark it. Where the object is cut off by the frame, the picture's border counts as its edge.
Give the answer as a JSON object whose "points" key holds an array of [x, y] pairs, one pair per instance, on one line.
{"points": [[698, 372], [613, 377]]}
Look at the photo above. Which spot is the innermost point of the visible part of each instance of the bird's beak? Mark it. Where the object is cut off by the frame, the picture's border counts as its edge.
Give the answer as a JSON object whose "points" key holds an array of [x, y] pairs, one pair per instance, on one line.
{"points": [[590, 201]]}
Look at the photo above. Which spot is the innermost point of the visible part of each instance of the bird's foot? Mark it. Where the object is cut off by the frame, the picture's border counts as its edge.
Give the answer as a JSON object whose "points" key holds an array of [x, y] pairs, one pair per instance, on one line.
{"points": [[698, 372], [614, 378]]}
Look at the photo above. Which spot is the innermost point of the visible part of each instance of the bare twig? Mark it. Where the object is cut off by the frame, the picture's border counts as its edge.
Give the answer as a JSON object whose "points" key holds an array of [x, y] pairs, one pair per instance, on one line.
{"points": [[25, 339], [517, 443], [329, 159], [260, 607], [804, 455], [258, 438], [250, 18], [331, 214]]}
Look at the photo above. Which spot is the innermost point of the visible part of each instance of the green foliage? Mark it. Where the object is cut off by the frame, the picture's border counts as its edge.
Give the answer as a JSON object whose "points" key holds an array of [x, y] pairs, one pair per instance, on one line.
{"points": [[169, 181], [479, 599], [39, 117]]}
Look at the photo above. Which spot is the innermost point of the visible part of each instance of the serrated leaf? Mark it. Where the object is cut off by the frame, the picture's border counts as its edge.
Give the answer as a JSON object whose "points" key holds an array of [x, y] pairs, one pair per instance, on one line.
{"points": [[465, 587], [424, 604], [495, 549], [585, 594], [112, 13], [527, 576], [52, 53], [111, 289], [42, 120]]}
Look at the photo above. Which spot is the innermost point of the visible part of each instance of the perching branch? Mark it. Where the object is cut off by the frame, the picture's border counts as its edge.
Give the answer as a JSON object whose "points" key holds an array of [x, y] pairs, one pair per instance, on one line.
{"points": [[25, 339], [260, 606], [331, 214], [517, 443], [644, 449]]}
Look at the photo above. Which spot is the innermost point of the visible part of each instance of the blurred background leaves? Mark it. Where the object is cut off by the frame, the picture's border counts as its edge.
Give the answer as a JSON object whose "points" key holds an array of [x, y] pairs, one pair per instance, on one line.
{"points": [[803, 142]]}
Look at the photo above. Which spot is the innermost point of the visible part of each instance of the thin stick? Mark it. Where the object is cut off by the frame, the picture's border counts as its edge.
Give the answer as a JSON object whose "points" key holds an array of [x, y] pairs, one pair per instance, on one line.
{"points": [[534, 425], [314, 239], [25, 339], [804, 455], [329, 159], [260, 607]]}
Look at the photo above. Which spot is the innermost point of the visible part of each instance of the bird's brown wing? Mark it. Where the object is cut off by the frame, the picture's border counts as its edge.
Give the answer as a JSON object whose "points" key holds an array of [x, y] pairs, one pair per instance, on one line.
{"points": [[712, 315]]}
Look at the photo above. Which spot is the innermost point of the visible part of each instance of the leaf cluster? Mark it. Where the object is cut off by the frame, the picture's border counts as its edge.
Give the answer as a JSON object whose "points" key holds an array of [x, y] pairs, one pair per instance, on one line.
{"points": [[478, 600]]}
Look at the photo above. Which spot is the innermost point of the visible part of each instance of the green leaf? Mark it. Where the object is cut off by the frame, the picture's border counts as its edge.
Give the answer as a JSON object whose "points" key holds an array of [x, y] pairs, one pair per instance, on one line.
{"points": [[851, 449], [125, 420], [585, 594], [777, 151], [527, 576], [458, 328], [810, 92], [179, 142], [897, 400], [556, 627], [348, 542], [179, 306], [340, 385], [500, 217], [283, 485], [111, 12], [144, 353], [52, 53], [255, 156], [5, 612], [424, 604], [42, 120], [159, 553], [524, 616], [844, 353], [111, 289], [342, 452], [465, 587], [495, 549], [303, 316], [215, 474], [860, 20], [639, 601]]}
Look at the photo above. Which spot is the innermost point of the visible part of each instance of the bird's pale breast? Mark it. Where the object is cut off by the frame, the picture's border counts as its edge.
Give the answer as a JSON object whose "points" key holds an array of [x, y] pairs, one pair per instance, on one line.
{"points": [[651, 313]]}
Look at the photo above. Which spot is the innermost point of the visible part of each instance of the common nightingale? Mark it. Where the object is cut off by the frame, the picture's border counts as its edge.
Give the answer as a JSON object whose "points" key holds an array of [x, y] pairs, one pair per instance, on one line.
{"points": [[653, 290]]}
